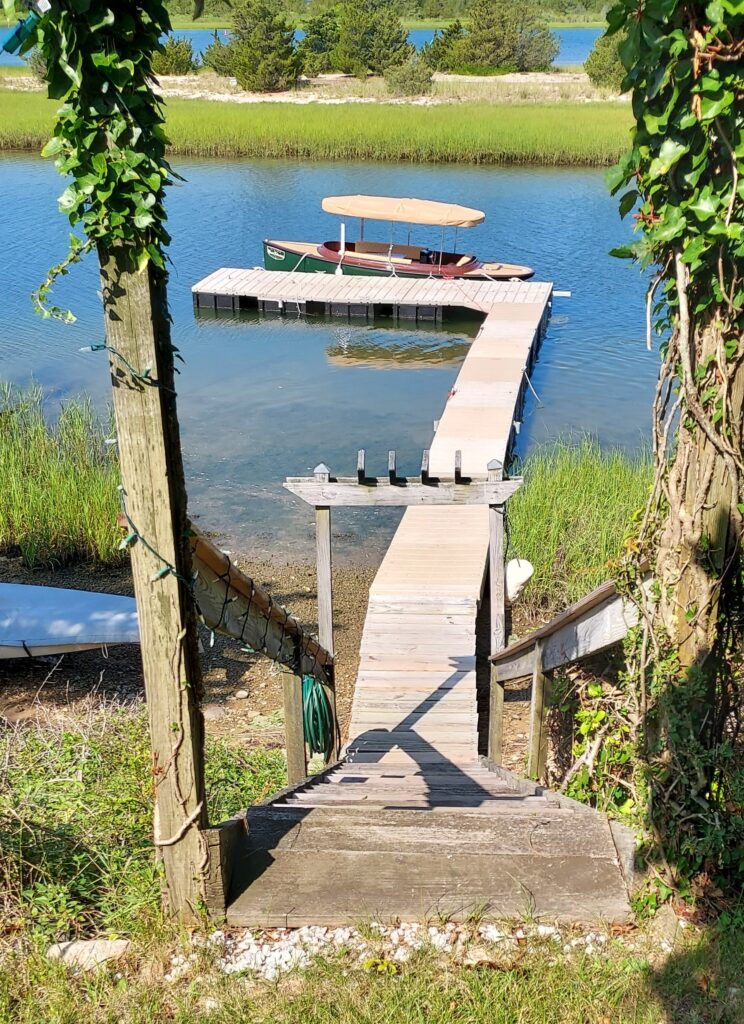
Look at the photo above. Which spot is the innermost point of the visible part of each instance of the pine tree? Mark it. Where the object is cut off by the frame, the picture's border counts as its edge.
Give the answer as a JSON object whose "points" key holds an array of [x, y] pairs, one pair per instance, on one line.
{"points": [[262, 54]]}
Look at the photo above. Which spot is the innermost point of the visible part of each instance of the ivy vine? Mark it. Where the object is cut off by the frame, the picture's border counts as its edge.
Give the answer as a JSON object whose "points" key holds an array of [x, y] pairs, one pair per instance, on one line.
{"points": [[108, 136]]}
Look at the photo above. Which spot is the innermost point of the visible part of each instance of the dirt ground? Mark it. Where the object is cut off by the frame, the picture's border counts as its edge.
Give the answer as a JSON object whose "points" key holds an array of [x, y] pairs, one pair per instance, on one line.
{"points": [[242, 691]]}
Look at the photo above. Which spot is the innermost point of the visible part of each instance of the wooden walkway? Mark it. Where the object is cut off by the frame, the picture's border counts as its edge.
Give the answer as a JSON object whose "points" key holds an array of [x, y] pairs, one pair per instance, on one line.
{"points": [[411, 822]]}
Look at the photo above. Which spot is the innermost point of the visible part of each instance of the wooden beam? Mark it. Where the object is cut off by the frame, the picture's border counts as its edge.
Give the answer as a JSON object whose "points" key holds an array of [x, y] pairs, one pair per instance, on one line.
{"points": [[391, 466], [325, 594], [496, 574], [361, 455], [425, 468], [347, 491], [154, 497], [537, 750]]}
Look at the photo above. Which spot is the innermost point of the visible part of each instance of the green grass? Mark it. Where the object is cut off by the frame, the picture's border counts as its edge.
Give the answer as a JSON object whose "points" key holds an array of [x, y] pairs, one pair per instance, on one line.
{"points": [[565, 134], [58, 499], [76, 819], [571, 516]]}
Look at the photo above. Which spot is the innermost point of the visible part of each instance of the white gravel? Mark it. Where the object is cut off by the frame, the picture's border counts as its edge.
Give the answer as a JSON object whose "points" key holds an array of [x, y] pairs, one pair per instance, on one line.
{"points": [[272, 952]]}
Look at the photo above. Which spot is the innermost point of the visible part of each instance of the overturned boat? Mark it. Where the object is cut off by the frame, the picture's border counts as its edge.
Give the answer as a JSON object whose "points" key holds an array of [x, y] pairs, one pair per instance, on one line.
{"points": [[392, 258]]}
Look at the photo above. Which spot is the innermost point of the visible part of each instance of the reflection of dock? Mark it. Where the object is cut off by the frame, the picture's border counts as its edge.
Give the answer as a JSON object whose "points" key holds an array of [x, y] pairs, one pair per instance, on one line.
{"points": [[410, 822]]}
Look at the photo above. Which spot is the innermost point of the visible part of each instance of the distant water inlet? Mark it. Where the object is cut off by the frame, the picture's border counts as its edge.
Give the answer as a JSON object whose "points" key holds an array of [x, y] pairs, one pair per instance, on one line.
{"points": [[265, 397], [575, 43]]}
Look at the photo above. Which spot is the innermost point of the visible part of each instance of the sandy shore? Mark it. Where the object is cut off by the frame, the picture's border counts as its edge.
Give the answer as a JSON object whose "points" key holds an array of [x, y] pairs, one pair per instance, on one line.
{"points": [[242, 691]]}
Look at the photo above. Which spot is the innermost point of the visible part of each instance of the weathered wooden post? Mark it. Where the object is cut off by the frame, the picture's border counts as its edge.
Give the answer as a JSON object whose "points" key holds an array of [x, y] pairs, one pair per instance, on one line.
{"points": [[537, 755], [294, 728], [498, 615], [325, 596], [154, 503]]}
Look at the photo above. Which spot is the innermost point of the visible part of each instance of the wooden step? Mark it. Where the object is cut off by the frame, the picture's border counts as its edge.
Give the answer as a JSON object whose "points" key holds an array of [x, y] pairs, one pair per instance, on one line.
{"points": [[329, 866]]}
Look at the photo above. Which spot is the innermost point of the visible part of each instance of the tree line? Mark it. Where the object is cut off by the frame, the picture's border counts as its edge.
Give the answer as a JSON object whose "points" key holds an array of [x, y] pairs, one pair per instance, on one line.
{"points": [[360, 37]]}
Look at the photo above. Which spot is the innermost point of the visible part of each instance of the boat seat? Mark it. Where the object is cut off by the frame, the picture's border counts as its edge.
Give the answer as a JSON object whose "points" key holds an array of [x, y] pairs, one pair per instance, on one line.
{"points": [[463, 260], [381, 248]]}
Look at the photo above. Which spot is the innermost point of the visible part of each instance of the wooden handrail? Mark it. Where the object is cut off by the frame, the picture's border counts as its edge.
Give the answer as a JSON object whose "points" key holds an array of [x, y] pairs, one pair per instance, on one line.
{"points": [[204, 551], [571, 614]]}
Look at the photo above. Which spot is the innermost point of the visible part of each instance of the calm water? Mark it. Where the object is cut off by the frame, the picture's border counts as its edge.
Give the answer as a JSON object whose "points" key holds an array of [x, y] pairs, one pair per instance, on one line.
{"points": [[576, 43], [262, 400]]}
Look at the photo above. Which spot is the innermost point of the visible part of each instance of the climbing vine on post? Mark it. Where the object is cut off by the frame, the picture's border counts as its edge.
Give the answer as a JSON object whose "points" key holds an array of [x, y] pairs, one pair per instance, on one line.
{"points": [[110, 143], [684, 177]]}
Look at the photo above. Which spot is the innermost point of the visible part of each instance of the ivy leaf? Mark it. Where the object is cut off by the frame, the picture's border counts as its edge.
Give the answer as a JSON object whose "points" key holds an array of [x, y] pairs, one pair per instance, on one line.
{"points": [[54, 147], [671, 151], [628, 202], [10, 12]]}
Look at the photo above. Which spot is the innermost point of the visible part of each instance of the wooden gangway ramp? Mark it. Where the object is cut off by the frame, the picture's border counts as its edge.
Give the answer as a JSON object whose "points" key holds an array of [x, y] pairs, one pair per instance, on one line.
{"points": [[411, 822]]}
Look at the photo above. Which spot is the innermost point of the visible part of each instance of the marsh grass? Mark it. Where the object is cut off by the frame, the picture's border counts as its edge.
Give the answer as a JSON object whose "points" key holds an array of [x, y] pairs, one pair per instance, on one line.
{"points": [[571, 516], [58, 499], [564, 134]]}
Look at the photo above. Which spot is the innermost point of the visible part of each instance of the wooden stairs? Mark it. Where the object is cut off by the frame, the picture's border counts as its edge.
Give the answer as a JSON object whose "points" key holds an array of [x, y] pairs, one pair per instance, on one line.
{"points": [[386, 841]]}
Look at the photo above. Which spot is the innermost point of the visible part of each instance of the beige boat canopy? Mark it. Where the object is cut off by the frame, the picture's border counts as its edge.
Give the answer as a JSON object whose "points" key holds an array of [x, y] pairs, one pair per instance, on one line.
{"points": [[409, 211]]}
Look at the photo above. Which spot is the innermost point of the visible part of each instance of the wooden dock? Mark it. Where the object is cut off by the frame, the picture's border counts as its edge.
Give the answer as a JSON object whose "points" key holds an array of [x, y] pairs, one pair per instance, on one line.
{"points": [[412, 821]]}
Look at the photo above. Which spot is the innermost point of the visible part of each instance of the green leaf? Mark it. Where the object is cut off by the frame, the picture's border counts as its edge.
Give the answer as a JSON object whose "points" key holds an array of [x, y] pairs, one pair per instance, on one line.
{"points": [[143, 219], [628, 202], [671, 151], [53, 147], [69, 199]]}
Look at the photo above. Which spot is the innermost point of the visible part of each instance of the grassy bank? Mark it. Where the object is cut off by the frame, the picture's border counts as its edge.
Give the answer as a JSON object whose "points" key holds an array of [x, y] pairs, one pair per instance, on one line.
{"points": [[58, 499], [593, 134], [570, 517], [76, 819]]}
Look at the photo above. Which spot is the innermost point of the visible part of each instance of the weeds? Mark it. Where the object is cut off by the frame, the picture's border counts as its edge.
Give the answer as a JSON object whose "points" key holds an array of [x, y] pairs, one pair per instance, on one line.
{"points": [[76, 819], [593, 134]]}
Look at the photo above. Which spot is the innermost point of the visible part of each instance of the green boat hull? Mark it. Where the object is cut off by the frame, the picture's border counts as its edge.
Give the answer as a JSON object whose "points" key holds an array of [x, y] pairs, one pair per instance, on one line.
{"points": [[308, 264]]}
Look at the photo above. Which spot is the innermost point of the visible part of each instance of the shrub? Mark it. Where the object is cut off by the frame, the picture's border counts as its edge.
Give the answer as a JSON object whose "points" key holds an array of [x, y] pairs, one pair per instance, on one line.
{"points": [[444, 52], [176, 58], [412, 78], [36, 64], [218, 57], [370, 38], [603, 65]]}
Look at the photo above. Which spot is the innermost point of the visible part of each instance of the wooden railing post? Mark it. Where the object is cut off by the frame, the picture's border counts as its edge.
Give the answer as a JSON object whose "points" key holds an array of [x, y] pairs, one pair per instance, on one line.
{"points": [[537, 757], [294, 729], [498, 616], [325, 596]]}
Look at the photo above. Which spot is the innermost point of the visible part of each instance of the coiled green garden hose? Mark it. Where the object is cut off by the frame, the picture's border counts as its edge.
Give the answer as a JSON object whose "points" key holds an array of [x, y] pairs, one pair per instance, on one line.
{"points": [[316, 716]]}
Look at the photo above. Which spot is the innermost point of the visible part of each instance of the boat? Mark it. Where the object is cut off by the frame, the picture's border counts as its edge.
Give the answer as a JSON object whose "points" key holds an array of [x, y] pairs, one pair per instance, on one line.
{"points": [[392, 258]]}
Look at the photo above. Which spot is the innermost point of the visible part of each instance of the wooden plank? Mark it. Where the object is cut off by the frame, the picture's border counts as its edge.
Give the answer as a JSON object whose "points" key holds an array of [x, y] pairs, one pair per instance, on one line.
{"points": [[375, 491]]}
